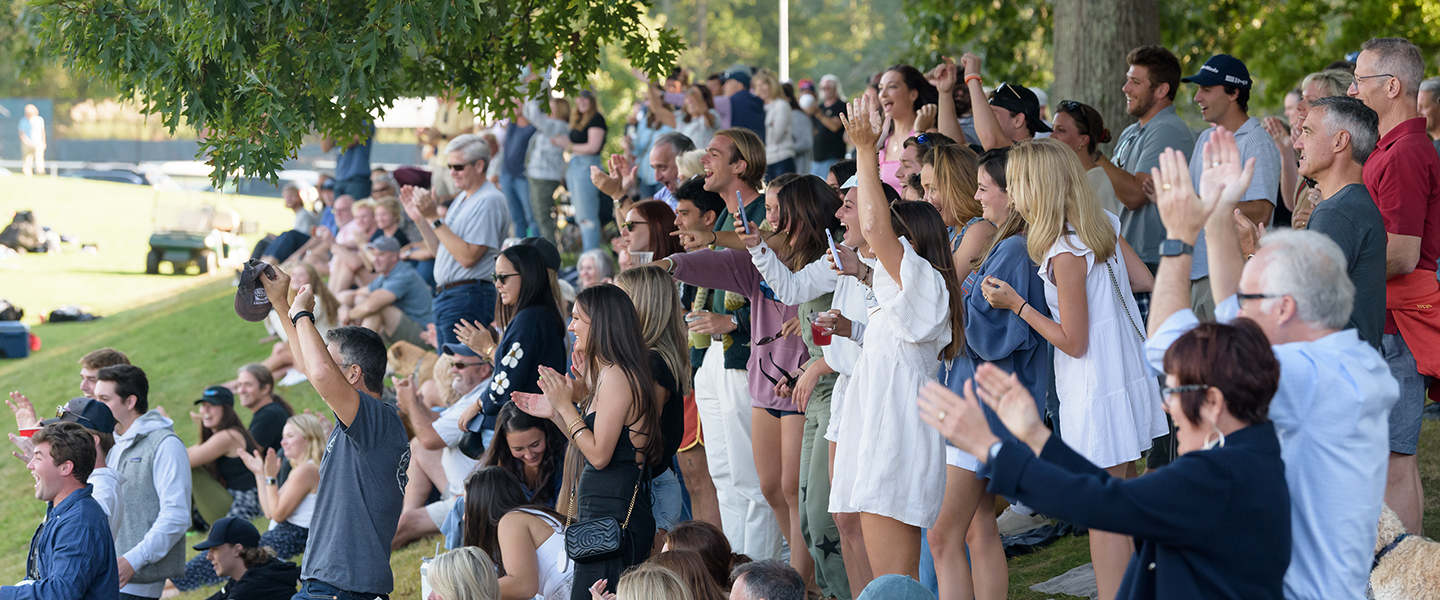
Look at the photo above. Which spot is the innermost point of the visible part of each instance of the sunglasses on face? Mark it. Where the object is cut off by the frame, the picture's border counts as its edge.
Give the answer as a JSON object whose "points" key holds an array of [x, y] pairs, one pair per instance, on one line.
{"points": [[461, 166], [501, 277], [466, 365], [630, 225]]}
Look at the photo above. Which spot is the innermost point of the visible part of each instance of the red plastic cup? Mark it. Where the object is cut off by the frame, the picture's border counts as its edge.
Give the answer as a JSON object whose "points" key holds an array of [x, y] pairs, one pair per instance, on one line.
{"points": [[25, 433], [820, 334]]}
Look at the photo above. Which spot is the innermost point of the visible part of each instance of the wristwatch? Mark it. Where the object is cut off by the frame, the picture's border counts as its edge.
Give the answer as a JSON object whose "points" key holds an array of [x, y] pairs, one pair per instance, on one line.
{"points": [[735, 320], [437, 223], [1175, 248], [269, 481]]}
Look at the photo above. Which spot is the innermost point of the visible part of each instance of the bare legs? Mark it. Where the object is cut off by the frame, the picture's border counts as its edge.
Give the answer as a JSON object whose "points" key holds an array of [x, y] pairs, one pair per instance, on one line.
{"points": [[965, 501], [893, 547], [852, 543], [696, 471], [1403, 492], [780, 482], [1110, 552]]}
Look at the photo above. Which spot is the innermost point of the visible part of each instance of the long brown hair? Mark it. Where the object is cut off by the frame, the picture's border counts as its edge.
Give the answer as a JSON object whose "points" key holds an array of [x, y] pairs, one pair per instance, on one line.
{"points": [[926, 234], [616, 340], [955, 180], [807, 210], [490, 494], [710, 543], [228, 420], [993, 162], [691, 568], [512, 420], [662, 318]]}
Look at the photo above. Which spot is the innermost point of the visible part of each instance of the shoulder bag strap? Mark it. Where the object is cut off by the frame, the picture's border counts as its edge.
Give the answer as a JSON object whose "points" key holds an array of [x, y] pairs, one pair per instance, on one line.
{"points": [[1115, 283]]}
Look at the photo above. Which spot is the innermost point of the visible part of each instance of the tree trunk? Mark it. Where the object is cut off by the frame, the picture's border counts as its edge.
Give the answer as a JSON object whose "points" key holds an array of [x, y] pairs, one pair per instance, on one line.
{"points": [[1092, 38]]}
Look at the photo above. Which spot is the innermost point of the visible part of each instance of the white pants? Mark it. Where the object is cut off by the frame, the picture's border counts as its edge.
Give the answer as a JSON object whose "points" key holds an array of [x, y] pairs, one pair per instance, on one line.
{"points": [[722, 397]]}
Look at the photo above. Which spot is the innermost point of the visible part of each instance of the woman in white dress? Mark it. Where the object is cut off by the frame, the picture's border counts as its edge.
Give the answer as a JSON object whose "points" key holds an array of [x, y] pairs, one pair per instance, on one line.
{"points": [[889, 465], [1109, 404], [526, 541]]}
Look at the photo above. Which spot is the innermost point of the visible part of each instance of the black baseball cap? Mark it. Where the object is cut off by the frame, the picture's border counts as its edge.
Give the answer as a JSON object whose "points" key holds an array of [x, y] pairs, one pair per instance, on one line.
{"points": [[218, 395], [251, 303], [1222, 69], [89, 413], [1020, 99], [548, 251], [231, 530]]}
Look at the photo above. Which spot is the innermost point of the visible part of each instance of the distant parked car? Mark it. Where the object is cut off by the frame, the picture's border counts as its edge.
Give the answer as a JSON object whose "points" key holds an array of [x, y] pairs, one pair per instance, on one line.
{"points": [[122, 173]]}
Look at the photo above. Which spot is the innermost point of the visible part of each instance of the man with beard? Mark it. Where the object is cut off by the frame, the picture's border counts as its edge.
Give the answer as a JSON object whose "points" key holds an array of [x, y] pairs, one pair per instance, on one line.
{"points": [[1150, 88]]}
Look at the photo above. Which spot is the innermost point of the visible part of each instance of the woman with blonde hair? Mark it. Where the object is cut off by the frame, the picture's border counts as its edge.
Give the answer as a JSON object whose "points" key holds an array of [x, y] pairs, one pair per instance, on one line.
{"points": [[647, 581], [689, 163], [288, 501], [464, 573], [1109, 402], [662, 325], [949, 176]]}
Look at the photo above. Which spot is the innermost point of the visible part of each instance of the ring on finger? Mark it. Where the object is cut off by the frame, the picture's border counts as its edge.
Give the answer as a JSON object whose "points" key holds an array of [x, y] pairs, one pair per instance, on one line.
{"points": [[1165, 187]]}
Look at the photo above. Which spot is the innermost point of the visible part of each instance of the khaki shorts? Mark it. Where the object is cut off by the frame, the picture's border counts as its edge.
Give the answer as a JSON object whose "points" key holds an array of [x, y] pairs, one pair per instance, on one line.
{"points": [[407, 330], [29, 151]]}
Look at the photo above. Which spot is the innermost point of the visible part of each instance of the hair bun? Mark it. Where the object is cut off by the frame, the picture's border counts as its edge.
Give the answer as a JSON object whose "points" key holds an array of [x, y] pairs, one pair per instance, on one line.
{"points": [[1105, 136]]}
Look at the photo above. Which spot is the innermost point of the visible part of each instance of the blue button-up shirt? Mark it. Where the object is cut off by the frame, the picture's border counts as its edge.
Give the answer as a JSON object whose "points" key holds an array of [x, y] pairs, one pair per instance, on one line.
{"points": [[72, 554], [1332, 412]]}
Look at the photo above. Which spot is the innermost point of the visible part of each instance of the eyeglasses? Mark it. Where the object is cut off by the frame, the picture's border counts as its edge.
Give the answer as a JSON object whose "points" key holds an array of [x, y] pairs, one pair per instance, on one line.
{"points": [[461, 166], [630, 225], [501, 277], [1241, 298], [1355, 82], [1167, 392]]}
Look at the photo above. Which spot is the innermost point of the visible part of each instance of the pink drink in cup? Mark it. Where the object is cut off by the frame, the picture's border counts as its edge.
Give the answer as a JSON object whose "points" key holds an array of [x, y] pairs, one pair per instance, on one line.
{"points": [[821, 334]]}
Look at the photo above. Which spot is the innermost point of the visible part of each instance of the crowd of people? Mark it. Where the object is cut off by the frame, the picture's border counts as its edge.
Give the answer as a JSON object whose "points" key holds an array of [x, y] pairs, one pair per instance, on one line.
{"points": [[824, 373]]}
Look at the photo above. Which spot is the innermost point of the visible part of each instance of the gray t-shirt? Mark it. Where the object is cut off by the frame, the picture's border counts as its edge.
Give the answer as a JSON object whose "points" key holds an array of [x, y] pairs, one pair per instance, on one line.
{"points": [[1253, 142], [306, 221], [482, 220], [1351, 218], [362, 489], [412, 294], [1138, 151]]}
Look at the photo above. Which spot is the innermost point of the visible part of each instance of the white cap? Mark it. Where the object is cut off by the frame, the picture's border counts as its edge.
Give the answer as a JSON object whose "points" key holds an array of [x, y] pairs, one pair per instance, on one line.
{"points": [[853, 181]]}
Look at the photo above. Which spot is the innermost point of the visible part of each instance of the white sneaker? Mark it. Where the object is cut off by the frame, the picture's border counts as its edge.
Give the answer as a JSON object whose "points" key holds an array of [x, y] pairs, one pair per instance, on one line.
{"points": [[294, 376], [1011, 522]]}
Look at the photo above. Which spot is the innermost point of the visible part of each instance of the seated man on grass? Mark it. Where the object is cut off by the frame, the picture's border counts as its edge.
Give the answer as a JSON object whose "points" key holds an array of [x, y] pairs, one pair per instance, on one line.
{"points": [[396, 304]]}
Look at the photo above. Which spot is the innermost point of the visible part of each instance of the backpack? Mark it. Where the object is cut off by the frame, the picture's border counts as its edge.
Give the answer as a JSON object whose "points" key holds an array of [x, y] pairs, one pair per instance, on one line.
{"points": [[22, 234]]}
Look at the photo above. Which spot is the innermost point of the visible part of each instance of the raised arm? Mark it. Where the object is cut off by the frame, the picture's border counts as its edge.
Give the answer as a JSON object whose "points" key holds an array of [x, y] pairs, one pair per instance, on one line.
{"points": [[947, 121], [324, 375], [662, 110], [1184, 215], [987, 125], [1222, 184], [860, 123]]}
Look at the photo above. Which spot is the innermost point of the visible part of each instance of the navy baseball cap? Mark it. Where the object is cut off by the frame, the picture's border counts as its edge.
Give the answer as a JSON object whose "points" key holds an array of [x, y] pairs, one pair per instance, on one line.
{"points": [[1222, 69], [231, 530], [217, 395], [459, 349], [739, 73], [90, 414]]}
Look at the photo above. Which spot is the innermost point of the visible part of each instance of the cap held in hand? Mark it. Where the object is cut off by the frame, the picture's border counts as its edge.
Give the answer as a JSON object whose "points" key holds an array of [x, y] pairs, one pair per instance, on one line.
{"points": [[251, 303]]}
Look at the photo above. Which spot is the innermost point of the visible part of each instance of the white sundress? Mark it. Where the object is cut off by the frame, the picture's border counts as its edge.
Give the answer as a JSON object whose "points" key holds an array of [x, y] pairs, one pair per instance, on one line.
{"points": [[1109, 403], [556, 570], [887, 461]]}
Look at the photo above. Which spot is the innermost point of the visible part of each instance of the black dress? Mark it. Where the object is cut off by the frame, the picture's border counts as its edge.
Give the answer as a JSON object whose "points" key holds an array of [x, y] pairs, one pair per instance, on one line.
{"points": [[609, 492]]}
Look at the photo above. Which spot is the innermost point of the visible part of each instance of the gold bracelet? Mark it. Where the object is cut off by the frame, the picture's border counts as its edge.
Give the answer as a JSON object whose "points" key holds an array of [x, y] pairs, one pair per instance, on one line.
{"points": [[571, 424]]}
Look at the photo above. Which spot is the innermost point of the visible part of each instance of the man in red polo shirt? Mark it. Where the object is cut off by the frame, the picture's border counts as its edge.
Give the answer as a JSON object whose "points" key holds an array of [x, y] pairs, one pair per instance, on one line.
{"points": [[1403, 176]]}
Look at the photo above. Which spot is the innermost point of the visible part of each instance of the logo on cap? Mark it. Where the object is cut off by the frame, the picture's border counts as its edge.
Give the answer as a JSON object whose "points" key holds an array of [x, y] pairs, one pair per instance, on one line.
{"points": [[259, 297]]}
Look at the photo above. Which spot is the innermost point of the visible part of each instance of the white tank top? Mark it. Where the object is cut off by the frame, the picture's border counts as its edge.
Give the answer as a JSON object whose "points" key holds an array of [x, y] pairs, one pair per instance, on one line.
{"points": [[555, 567], [302, 514]]}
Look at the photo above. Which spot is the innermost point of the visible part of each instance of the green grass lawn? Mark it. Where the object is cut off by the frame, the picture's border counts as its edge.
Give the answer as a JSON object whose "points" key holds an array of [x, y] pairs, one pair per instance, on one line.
{"points": [[183, 331], [117, 218]]}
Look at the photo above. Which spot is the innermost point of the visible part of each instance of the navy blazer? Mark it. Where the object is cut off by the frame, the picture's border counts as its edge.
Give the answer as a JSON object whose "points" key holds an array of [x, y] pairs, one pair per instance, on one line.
{"points": [[1213, 524]]}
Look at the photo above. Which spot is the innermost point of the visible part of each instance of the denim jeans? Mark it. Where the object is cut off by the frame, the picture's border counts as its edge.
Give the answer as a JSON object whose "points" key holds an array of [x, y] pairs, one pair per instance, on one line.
{"points": [[357, 187], [821, 168], [517, 198], [665, 500], [475, 303], [314, 589], [584, 198]]}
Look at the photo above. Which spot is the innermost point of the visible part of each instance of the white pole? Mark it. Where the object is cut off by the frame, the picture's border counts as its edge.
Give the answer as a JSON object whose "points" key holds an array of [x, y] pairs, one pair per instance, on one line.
{"points": [[784, 40]]}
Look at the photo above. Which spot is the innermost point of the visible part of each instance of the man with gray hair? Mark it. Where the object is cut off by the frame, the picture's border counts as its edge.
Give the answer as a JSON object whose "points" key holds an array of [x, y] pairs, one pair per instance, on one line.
{"points": [[1332, 406], [662, 160], [1403, 176], [466, 241], [771, 579], [1428, 101], [1336, 138]]}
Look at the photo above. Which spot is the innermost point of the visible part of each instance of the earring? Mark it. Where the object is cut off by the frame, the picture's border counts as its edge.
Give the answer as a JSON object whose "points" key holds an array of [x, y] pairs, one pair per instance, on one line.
{"points": [[1219, 441]]}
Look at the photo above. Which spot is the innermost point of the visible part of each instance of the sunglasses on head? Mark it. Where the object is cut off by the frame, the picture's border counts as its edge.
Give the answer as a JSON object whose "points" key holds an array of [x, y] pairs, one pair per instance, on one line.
{"points": [[1006, 87], [1071, 106]]}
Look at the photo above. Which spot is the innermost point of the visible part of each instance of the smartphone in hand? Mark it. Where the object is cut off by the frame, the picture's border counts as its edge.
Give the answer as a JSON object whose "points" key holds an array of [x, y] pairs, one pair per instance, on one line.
{"points": [[834, 252], [740, 203]]}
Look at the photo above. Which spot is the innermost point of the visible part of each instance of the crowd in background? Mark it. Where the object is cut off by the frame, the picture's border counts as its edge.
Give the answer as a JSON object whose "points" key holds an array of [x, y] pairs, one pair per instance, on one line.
{"points": [[830, 338]]}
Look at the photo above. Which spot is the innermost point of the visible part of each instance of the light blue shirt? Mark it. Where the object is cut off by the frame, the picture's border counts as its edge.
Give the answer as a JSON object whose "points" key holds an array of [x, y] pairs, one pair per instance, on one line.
{"points": [[645, 138], [1255, 143], [1332, 412]]}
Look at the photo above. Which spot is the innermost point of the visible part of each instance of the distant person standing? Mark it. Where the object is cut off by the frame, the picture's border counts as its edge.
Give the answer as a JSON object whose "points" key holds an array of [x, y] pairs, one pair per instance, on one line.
{"points": [[829, 146], [32, 139], [352, 166]]}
